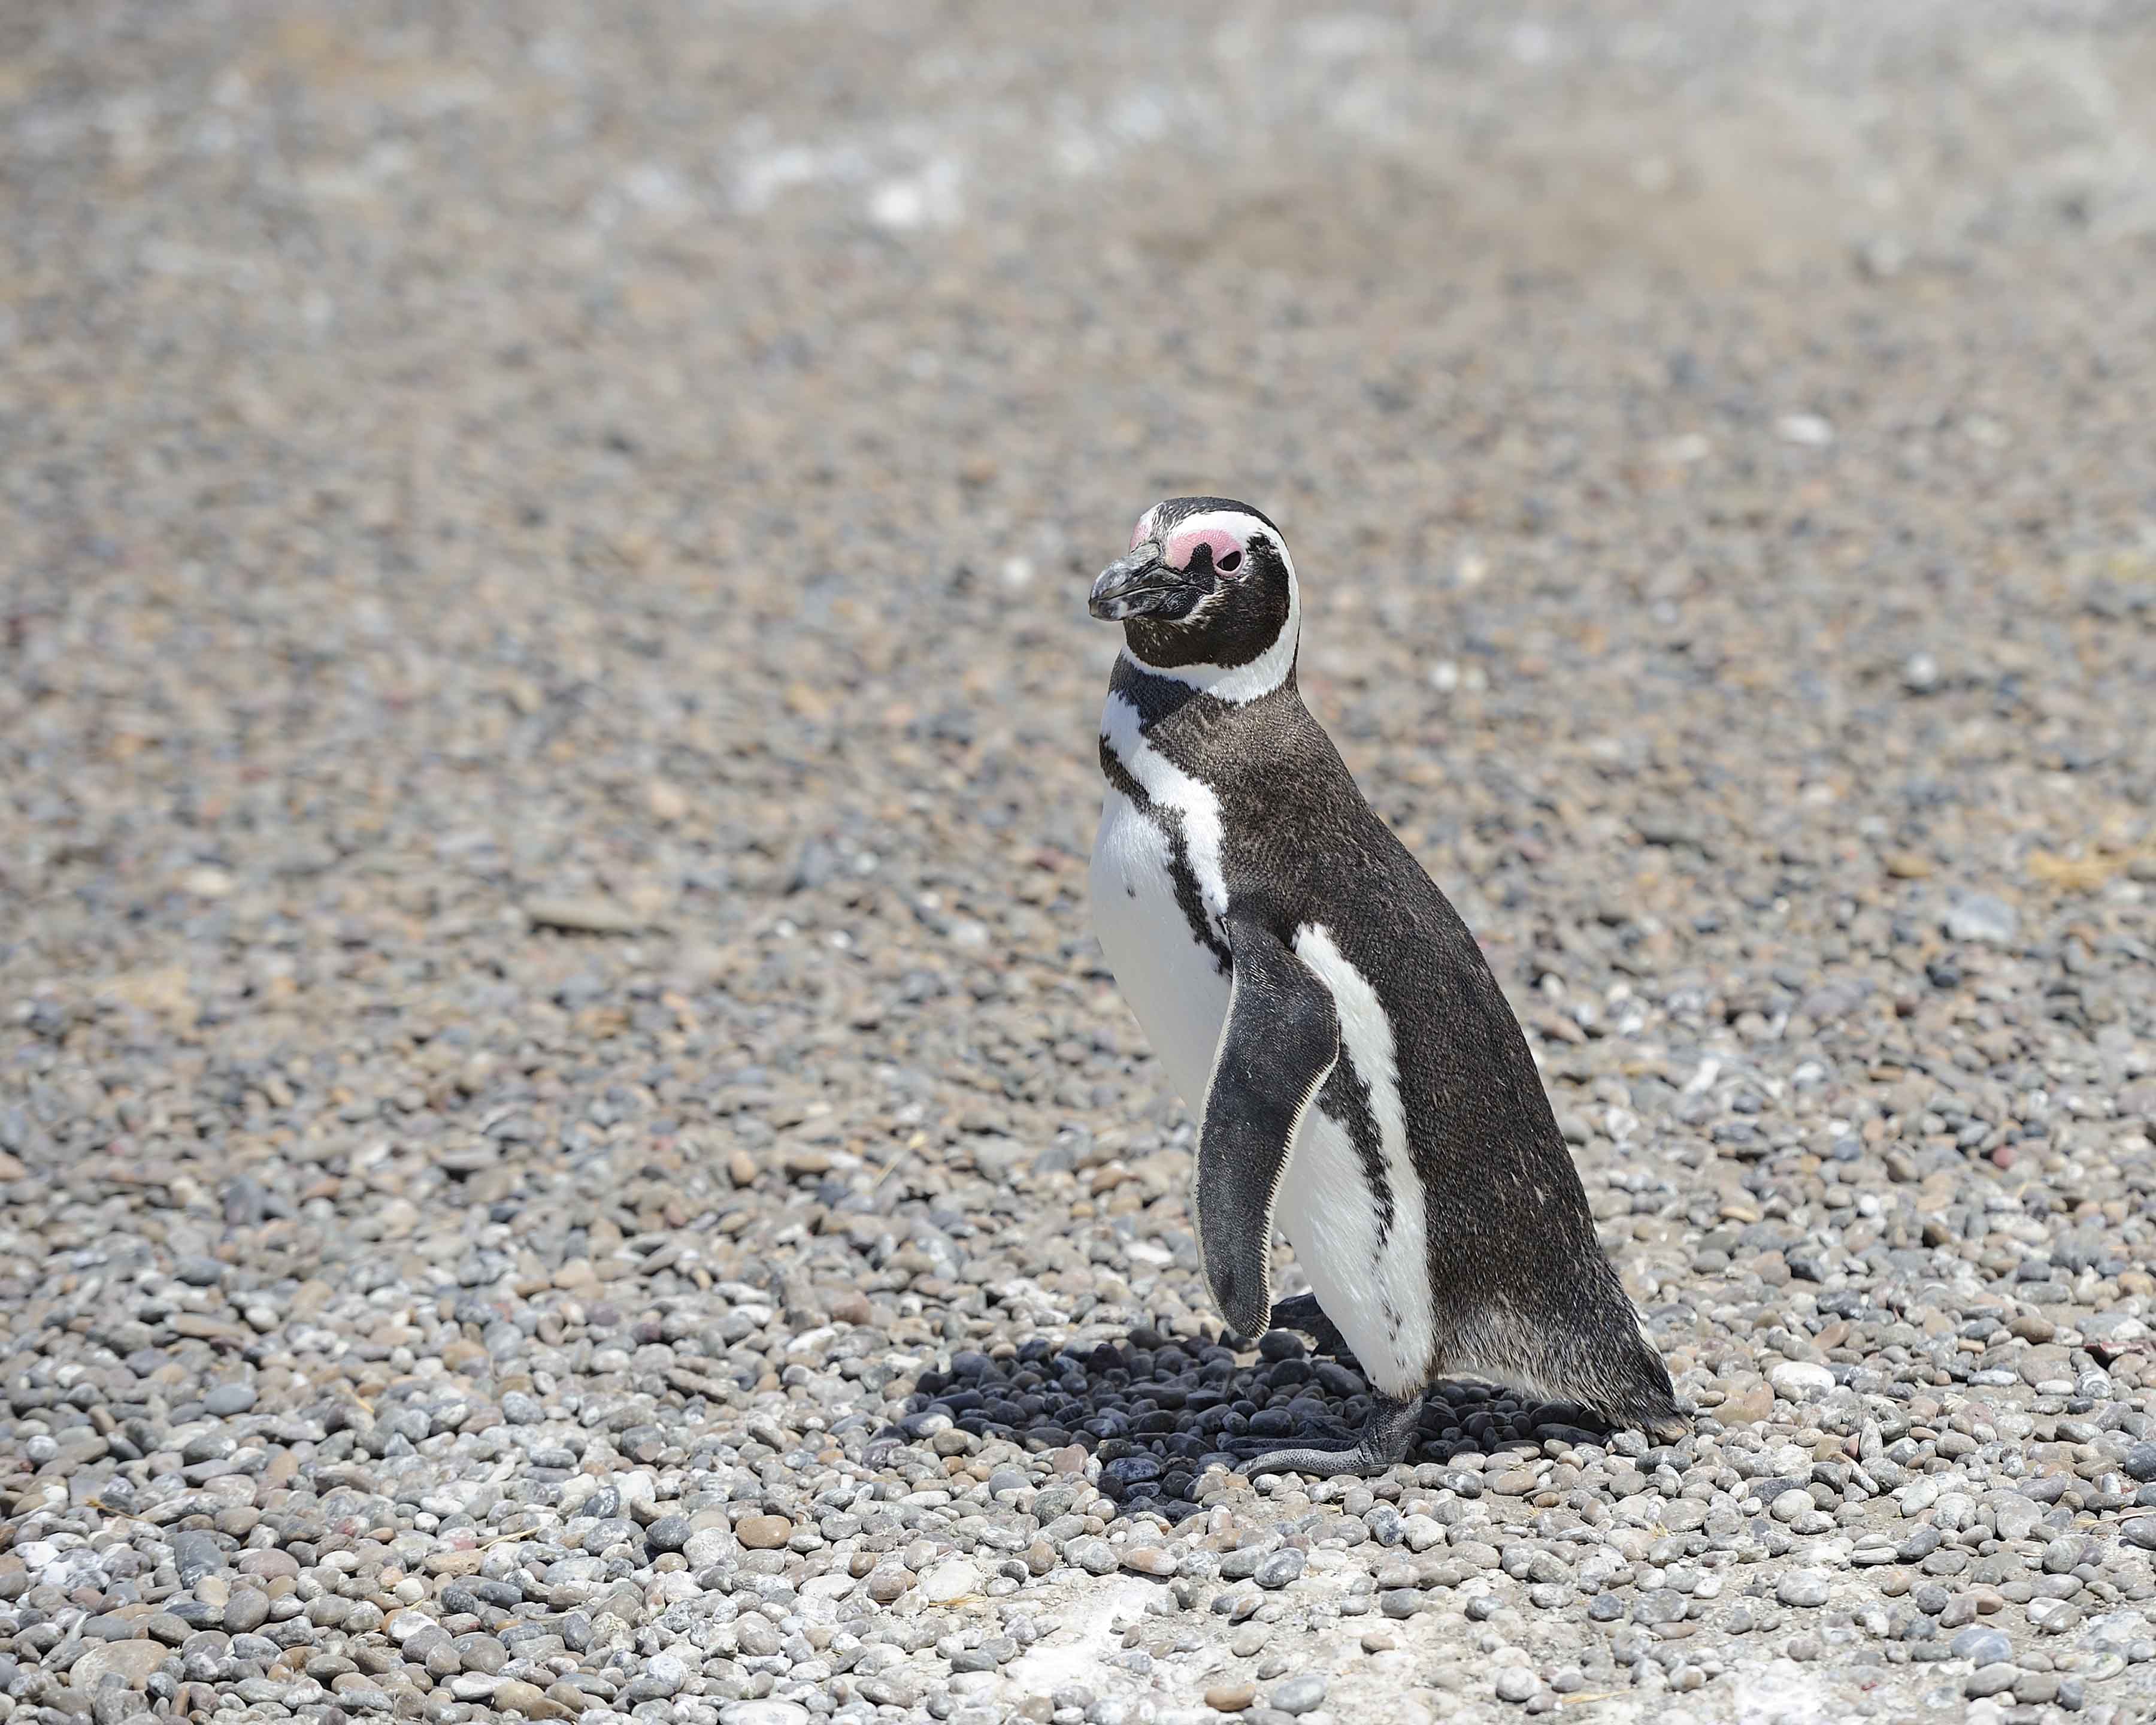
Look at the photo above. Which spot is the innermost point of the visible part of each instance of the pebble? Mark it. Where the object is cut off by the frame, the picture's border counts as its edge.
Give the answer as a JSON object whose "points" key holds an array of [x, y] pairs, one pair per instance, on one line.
{"points": [[1982, 917], [1801, 1380], [887, 1582], [707, 1546], [1989, 1679], [226, 1400], [763, 1533], [131, 1661], [247, 1611], [515, 1696], [1095, 1556], [585, 914], [1983, 1645], [949, 1582], [1804, 1587], [1304, 1693], [1516, 1683]]}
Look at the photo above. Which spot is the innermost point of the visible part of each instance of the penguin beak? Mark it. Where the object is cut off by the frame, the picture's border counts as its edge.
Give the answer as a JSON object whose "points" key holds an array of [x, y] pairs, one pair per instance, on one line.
{"points": [[1137, 586]]}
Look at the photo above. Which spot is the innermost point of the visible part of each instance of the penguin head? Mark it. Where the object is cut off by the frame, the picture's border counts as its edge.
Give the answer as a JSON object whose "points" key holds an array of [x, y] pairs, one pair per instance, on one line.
{"points": [[1206, 588]]}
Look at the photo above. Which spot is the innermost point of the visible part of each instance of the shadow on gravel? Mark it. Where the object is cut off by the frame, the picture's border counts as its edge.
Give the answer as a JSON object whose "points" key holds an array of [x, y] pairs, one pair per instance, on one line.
{"points": [[1159, 1411]]}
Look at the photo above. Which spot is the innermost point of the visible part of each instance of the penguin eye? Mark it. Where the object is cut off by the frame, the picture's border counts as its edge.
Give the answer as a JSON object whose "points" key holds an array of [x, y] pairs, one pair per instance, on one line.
{"points": [[1228, 564]]}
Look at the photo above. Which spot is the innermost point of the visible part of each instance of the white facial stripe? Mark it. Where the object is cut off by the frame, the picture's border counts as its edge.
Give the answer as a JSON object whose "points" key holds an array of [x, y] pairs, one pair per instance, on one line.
{"points": [[1168, 785], [1402, 1269], [1238, 684]]}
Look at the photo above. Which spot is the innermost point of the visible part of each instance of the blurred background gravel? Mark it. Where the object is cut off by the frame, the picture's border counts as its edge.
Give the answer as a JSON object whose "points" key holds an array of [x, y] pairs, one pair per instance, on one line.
{"points": [[565, 1144]]}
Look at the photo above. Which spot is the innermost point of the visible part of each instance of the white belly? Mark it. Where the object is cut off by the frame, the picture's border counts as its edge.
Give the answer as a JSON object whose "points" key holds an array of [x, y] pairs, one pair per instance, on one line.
{"points": [[1378, 1297], [1377, 1294], [1170, 981]]}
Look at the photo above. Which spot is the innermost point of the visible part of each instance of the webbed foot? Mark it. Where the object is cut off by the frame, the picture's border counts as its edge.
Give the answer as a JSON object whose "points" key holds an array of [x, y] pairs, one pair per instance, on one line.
{"points": [[1385, 1440]]}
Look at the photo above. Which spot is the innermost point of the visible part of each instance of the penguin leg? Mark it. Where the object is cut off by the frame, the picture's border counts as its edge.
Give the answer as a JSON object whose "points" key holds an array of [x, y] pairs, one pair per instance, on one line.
{"points": [[1386, 1436], [1302, 1312]]}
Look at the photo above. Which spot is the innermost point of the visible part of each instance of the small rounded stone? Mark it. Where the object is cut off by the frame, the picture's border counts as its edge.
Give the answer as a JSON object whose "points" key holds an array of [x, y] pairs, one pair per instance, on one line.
{"points": [[1301, 1694], [763, 1533]]}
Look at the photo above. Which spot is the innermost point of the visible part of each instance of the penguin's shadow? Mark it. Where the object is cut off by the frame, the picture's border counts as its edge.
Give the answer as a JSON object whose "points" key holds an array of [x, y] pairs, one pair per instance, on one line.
{"points": [[1158, 1411]]}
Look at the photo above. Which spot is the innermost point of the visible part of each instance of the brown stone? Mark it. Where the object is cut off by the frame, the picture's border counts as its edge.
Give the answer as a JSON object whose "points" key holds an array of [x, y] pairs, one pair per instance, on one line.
{"points": [[764, 1533], [514, 1695], [1230, 1698], [134, 1660], [888, 1581], [1748, 1406], [853, 1308]]}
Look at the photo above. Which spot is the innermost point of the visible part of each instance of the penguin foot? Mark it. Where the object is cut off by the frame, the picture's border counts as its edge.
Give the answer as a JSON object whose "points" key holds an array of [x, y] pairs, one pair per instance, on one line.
{"points": [[1386, 1436]]}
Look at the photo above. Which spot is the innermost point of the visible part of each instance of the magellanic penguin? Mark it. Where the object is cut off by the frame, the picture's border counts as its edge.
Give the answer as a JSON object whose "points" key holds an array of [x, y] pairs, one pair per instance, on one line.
{"points": [[1360, 1083]]}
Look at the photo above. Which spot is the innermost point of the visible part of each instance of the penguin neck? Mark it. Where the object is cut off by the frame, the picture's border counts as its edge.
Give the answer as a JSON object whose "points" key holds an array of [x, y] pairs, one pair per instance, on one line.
{"points": [[1159, 694], [1236, 685]]}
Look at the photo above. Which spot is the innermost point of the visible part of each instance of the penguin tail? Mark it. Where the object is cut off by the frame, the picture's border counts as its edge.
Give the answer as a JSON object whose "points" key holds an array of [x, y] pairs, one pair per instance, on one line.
{"points": [[1590, 1348], [1643, 1398], [1629, 1385]]}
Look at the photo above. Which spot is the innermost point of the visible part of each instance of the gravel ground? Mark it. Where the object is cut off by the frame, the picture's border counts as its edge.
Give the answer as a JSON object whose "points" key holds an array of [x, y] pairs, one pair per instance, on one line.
{"points": [[565, 1146]]}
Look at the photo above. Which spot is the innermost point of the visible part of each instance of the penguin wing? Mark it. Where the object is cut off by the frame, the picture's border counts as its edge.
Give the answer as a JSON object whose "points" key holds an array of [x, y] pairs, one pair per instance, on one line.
{"points": [[1280, 1040]]}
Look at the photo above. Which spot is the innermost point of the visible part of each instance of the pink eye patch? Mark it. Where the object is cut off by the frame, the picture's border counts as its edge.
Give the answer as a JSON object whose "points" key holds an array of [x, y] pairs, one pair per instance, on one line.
{"points": [[1183, 546], [1143, 530]]}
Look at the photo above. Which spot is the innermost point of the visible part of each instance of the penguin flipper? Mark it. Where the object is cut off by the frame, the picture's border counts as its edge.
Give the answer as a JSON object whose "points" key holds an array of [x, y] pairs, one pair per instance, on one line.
{"points": [[1280, 1040]]}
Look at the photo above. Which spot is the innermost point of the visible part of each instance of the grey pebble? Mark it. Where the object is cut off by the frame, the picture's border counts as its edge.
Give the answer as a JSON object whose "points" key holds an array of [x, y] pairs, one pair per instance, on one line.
{"points": [[1802, 1587], [225, 1399], [1983, 1644], [1297, 1695], [1989, 1679], [1094, 1555], [1981, 917], [195, 1555]]}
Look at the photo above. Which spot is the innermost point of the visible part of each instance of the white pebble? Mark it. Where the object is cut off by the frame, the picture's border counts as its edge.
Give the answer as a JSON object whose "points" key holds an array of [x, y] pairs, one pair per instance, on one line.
{"points": [[1801, 1380], [950, 1581]]}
